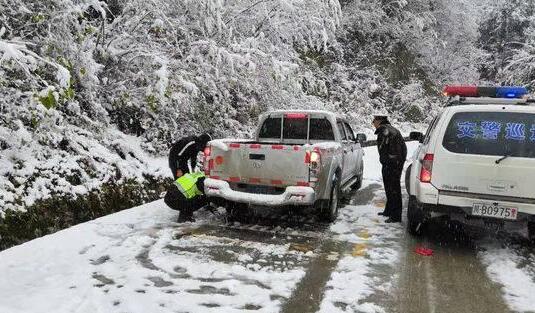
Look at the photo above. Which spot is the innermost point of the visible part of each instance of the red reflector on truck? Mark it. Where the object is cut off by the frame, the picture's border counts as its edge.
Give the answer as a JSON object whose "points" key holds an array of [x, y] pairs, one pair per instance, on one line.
{"points": [[276, 182], [254, 180], [234, 179], [296, 115], [277, 147], [255, 146], [234, 145], [303, 184]]}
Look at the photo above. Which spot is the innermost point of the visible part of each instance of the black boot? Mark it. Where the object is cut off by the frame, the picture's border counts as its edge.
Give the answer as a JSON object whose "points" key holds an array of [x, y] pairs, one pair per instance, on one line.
{"points": [[184, 217], [393, 220], [384, 213]]}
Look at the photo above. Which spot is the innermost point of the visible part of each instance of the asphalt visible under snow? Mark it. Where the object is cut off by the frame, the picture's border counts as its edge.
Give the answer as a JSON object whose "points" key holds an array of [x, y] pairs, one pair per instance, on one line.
{"points": [[140, 260]]}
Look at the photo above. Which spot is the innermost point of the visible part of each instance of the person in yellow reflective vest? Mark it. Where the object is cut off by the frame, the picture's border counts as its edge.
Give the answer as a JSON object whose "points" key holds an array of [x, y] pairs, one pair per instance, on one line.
{"points": [[186, 195]]}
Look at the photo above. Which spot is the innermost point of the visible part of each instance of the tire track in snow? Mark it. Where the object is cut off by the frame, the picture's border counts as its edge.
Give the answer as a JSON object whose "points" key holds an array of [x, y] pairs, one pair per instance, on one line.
{"points": [[452, 280], [351, 263]]}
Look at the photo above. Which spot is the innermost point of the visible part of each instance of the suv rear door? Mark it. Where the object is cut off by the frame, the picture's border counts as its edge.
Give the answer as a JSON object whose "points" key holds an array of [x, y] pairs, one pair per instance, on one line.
{"points": [[487, 152]]}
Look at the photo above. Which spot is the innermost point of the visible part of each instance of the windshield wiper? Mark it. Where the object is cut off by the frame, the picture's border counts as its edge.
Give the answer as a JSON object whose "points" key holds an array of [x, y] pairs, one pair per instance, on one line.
{"points": [[502, 158]]}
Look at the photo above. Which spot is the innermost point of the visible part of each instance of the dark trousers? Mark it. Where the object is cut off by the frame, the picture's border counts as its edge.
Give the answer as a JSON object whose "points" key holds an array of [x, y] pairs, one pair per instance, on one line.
{"points": [[391, 181], [177, 201]]}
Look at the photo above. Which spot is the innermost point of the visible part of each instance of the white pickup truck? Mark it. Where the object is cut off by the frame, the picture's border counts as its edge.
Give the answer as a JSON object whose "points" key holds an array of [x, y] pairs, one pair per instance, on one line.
{"points": [[298, 158]]}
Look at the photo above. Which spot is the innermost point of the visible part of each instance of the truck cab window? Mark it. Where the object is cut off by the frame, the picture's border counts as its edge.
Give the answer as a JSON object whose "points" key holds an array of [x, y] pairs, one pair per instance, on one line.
{"points": [[341, 130], [271, 128], [349, 132], [321, 129], [295, 128]]}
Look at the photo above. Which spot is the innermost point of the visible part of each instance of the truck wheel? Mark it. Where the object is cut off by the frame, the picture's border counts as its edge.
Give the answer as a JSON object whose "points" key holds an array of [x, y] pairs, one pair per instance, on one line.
{"points": [[234, 210], [330, 211], [415, 217], [408, 178], [531, 231], [358, 184]]}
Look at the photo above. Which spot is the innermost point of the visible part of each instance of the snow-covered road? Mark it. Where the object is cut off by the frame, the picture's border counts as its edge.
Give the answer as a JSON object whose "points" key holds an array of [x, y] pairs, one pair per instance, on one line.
{"points": [[140, 260]]}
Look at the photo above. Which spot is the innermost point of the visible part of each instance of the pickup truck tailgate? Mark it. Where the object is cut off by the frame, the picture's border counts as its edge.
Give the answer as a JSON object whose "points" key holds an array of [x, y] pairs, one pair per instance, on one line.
{"points": [[259, 164]]}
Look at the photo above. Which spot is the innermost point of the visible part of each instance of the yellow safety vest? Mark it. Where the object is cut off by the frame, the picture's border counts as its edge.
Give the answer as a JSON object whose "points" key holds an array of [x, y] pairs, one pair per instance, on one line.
{"points": [[187, 184]]}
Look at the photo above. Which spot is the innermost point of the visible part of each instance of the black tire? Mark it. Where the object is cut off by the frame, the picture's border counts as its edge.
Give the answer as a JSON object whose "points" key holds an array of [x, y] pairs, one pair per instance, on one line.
{"points": [[408, 179], [531, 231], [235, 210], [415, 218], [329, 211], [358, 184]]}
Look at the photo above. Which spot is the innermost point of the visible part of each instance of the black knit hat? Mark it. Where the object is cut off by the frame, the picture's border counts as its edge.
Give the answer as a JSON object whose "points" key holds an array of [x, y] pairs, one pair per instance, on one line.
{"points": [[204, 138], [380, 117]]}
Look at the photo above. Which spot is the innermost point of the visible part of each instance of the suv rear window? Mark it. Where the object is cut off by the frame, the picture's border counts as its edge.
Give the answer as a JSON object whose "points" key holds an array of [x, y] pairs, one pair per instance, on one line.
{"points": [[491, 133], [296, 128]]}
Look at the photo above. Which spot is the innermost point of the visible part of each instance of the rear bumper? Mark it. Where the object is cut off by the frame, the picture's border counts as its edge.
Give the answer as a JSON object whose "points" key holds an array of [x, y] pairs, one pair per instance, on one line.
{"points": [[461, 204], [293, 195]]}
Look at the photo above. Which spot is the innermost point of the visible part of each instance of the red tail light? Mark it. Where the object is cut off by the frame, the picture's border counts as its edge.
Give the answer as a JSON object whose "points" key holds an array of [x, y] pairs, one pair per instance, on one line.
{"points": [[426, 172], [313, 159], [208, 166], [206, 162]]}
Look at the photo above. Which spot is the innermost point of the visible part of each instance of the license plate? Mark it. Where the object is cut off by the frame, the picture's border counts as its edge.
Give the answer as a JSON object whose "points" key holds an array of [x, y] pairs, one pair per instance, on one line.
{"points": [[496, 211]]}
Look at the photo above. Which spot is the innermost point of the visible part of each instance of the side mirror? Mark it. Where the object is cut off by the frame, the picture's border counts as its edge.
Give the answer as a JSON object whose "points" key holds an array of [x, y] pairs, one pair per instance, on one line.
{"points": [[416, 136], [361, 138]]}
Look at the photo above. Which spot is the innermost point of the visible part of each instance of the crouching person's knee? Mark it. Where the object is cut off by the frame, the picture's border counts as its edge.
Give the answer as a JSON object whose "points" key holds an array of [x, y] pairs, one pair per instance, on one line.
{"points": [[172, 197]]}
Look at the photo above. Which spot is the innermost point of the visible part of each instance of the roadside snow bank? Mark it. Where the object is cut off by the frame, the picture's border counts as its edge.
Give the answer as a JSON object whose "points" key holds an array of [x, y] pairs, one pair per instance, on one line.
{"points": [[71, 164], [511, 270]]}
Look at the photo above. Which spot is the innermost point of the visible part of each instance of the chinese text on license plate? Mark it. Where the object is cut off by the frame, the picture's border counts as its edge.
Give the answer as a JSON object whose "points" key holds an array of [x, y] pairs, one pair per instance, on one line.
{"points": [[497, 211]]}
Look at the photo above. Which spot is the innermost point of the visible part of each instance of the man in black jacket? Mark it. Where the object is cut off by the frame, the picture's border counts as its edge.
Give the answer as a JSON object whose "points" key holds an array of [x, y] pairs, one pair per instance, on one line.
{"points": [[392, 155], [183, 154]]}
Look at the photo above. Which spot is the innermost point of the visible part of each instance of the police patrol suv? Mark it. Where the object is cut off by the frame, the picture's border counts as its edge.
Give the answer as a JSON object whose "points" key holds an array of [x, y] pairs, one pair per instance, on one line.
{"points": [[476, 162]]}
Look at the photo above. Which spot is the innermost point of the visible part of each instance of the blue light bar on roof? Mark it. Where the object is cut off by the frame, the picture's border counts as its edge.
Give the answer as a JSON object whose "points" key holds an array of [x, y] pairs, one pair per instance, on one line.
{"points": [[511, 92]]}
